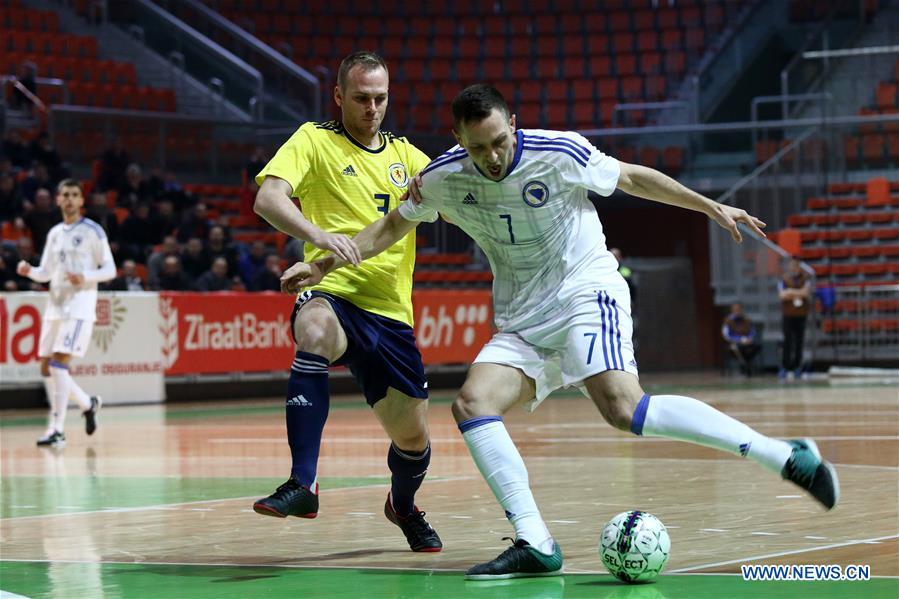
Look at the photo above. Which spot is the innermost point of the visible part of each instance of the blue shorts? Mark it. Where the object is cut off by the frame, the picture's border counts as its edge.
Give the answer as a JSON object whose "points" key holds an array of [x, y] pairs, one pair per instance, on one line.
{"points": [[380, 352]]}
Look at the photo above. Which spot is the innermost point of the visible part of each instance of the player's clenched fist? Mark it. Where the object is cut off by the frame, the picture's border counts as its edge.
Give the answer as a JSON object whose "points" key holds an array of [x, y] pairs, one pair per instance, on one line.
{"points": [[23, 268]]}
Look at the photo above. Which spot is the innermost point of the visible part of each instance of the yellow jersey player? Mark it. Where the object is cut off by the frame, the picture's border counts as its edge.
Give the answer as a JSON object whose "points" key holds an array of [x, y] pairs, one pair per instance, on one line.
{"points": [[347, 174]]}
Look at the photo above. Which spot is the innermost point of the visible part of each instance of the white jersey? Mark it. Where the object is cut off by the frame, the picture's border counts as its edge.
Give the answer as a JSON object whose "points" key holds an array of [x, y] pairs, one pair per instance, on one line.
{"points": [[539, 231], [80, 248]]}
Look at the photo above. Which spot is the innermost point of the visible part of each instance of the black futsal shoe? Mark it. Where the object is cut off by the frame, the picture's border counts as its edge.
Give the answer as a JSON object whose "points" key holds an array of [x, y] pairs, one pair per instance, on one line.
{"points": [[422, 538], [90, 415], [54, 439], [807, 469], [290, 499], [521, 560]]}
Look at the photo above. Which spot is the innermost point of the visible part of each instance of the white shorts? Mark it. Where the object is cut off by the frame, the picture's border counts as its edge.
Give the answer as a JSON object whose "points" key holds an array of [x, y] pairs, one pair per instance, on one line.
{"points": [[70, 336], [591, 335]]}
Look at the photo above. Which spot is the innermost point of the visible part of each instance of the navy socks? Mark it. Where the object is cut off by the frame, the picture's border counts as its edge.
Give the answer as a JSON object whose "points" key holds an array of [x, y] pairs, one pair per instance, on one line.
{"points": [[408, 470], [307, 411]]}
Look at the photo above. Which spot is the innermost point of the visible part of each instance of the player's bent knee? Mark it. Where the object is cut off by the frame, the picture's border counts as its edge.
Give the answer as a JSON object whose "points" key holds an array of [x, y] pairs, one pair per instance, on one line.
{"points": [[412, 443], [617, 409]]}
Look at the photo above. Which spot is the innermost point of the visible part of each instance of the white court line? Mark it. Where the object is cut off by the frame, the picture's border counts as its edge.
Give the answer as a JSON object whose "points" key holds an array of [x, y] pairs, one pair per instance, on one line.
{"points": [[788, 497], [782, 553], [713, 530], [574, 572], [172, 506], [766, 534]]}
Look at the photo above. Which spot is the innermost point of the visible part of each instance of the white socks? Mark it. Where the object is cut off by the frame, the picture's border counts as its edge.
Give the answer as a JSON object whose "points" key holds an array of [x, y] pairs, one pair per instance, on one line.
{"points": [[688, 419], [61, 385], [501, 466]]}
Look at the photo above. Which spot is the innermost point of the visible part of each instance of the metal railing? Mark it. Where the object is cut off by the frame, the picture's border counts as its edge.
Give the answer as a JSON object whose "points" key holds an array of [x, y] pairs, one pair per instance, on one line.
{"points": [[292, 92], [715, 75], [812, 63], [201, 56], [861, 326]]}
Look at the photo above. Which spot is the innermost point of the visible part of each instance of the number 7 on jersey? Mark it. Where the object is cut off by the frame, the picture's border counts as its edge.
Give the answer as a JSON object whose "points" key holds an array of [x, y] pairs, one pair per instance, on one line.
{"points": [[508, 219]]}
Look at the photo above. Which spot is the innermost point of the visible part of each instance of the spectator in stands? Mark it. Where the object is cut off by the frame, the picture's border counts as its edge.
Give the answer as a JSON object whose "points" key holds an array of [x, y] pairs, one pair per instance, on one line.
{"points": [[43, 150], [795, 290], [28, 78], [255, 164], [739, 334], [16, 150], [268, 278], [11, 205], [99, 212], [168, 248], [112, 166], [164, 186], [136, 236], [217, 246], [38, 178], [195, 261], [216, 278], [134, 189], [173, 191], [171, 278], [196, 224], [165, 222], [250, 262], [128, 280], [41, 218]]}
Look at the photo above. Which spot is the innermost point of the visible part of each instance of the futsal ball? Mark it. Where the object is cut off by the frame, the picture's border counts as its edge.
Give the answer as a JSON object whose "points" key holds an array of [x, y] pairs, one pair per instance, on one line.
{"points": [[634, 546]]}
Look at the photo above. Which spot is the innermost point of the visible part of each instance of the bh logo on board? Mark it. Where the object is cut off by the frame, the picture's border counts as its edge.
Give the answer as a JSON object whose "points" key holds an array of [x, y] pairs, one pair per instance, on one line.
{"points": [[439, 330]]}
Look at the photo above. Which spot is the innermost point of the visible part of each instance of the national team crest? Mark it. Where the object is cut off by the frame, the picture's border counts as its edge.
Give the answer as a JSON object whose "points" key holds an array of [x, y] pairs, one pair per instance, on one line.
{"points": [[535, 194], [398, 175]]}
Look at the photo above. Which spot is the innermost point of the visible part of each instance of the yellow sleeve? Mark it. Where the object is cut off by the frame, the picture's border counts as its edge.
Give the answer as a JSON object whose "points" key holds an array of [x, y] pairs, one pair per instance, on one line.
{"points": [[417, 160], [292, 160]]}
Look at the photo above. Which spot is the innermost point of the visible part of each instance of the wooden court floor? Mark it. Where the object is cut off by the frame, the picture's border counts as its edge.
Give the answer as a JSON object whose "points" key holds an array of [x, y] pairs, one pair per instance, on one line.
{"points": [[158, 502]]}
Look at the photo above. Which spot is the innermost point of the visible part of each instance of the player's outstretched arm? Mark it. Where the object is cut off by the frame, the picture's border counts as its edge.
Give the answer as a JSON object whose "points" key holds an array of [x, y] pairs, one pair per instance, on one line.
{"points": [[648, 183], [371, 241], [273, 203]]}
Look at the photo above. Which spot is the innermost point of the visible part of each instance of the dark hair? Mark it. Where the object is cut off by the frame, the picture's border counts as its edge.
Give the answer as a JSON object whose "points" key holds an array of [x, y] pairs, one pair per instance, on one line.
{"points": [[476, 102], [69, 183], [369, 61]]}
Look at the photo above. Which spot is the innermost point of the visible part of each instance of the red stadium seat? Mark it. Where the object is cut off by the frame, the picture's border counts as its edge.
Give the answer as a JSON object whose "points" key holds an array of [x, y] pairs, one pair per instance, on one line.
{"points": [[620, 21], [599, 66], [607, 88], [582, 90], [573, 67]]}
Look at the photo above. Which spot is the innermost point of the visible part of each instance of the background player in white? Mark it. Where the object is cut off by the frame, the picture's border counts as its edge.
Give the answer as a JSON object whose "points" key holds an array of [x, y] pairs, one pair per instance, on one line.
{"points": [[76, 257], [562, 310]]}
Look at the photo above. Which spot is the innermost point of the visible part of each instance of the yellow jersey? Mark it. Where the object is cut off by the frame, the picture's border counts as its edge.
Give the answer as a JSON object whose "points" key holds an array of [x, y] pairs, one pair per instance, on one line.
{"points": [[342, 186]]}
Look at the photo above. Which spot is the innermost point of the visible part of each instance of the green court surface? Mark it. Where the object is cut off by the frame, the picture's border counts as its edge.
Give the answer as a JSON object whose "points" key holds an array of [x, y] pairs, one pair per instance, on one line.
{"points": [[147, 581]]}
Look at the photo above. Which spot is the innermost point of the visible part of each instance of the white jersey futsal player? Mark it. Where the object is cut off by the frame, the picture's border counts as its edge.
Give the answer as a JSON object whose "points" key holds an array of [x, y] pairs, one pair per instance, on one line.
{"points": [[76, 257], [561, 309]]}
